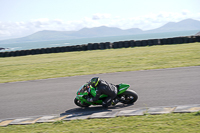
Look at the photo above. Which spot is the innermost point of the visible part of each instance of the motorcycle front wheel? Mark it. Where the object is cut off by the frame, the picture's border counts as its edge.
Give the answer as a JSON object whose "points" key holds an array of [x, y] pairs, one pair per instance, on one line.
{"points": [[129, 97], [78, 103]]}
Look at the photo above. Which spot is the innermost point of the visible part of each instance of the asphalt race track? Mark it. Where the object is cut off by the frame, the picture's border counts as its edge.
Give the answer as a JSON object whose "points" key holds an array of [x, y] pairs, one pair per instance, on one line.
{"points": [[161, 87]]}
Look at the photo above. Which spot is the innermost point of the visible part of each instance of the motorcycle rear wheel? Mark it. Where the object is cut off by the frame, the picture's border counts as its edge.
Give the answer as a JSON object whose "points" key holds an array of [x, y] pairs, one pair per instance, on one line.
{"points": [[78, 103], [129, 96]]}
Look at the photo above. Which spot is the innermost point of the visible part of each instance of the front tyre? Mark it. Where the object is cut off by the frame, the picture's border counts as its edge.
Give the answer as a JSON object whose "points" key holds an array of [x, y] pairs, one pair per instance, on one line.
{"points": [[78, 103], [129, 97]]}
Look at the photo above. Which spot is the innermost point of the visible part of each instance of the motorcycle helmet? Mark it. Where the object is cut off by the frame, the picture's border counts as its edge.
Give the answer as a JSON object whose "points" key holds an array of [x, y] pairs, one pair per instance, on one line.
{"points": [[94, 82]]}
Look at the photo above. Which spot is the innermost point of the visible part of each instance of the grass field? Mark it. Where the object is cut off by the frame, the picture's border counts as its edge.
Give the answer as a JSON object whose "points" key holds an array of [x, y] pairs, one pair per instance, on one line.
{"points": [[105, 61], [44, 66], [166, 123]]}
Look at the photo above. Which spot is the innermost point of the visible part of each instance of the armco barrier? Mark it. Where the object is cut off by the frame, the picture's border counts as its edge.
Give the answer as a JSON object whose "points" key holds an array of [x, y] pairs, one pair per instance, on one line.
{"points": [[103, 45]]}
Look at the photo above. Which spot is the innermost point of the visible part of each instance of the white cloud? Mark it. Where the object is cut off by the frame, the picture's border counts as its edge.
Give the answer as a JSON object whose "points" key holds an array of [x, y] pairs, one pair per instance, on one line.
{"points": [[98, 16], [185, 12], [149, 21]]}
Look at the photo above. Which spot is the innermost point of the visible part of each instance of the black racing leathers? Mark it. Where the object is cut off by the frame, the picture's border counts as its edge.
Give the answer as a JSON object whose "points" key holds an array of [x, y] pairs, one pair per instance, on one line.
{"points": [[107, 89]]}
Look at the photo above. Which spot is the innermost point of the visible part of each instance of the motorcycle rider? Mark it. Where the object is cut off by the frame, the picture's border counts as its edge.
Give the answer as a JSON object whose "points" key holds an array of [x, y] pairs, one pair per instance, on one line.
{"points": [[103, 87]]}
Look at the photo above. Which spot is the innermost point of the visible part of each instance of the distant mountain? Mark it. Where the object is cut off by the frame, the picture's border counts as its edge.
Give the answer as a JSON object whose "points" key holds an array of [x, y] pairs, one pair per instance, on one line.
{"points": [[198, 34], [184, 25], [47, 35], [103, 31]]}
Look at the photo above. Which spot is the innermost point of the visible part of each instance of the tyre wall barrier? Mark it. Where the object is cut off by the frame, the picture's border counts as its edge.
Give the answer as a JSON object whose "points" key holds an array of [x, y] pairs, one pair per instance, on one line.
{"points": [[198, 38], [103, 45]]}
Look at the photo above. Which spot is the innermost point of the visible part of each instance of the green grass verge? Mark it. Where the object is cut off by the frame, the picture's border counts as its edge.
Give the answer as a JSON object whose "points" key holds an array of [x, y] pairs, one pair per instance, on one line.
{"points": [[44, 66], [166, 123]]}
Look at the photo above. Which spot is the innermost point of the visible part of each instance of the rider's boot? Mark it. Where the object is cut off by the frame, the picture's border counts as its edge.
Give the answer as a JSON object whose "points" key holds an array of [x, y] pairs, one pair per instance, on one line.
{"points": [[114, 101]]}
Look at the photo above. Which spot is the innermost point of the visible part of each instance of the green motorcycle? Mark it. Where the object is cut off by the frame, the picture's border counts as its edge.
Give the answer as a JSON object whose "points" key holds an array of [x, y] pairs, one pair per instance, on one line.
{"points": [[124, 96]]}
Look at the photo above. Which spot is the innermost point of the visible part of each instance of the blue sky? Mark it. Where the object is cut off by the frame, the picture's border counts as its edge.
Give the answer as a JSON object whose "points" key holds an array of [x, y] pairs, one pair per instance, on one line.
{"points": [[23, 17]]}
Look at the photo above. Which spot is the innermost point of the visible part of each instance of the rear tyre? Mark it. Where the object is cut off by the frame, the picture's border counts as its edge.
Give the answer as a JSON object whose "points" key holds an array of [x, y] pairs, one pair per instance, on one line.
{"points": [[129, 97], [78, 103]]}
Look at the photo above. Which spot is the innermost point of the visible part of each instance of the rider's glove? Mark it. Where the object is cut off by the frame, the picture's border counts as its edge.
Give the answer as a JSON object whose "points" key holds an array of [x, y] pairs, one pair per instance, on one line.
{"points": [[87, 86], [89, 100]]}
